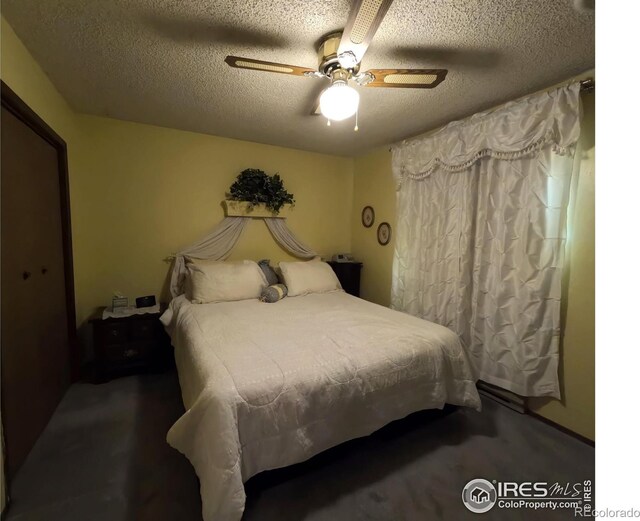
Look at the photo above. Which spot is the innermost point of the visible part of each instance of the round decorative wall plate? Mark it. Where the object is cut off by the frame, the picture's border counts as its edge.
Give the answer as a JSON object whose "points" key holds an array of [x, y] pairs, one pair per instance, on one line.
{"points": [[384, 233], [368, 216]]}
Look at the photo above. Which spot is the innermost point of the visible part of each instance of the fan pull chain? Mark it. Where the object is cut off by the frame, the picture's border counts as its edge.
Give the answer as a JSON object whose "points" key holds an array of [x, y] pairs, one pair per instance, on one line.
{"points": [[355, 129], [328, 122]]}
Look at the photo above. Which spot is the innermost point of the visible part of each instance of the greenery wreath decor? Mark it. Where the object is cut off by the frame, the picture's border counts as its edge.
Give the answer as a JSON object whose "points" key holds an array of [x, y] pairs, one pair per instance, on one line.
{"points": [[256, 187]]}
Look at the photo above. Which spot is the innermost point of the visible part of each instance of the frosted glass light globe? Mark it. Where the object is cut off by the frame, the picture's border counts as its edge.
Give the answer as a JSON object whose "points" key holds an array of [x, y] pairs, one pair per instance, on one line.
{"points": [[339, 102]]}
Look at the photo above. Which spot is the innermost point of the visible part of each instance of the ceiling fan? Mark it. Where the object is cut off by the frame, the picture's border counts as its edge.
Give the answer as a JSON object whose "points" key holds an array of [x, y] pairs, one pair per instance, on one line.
{"points": [[340, 54]]}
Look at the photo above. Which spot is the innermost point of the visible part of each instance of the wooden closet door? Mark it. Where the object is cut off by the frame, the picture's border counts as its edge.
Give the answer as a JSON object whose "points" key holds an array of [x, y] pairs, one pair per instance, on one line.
{"points": [[34, 328]]}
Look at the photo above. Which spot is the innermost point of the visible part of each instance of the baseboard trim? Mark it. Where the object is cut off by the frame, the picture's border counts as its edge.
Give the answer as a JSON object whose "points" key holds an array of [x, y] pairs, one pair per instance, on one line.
{"points": [[519, 404], [562, 428], [502, 396], [503, 401]]}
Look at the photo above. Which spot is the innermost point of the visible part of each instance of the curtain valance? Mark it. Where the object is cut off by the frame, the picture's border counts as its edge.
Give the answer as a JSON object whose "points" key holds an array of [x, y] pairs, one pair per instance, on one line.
{"points": [[518, 129]]}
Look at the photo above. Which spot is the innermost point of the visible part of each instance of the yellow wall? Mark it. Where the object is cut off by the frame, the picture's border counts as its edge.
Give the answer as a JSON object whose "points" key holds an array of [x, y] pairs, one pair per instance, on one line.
{"points": [[148, 191], [373, 186], [576, 411], [139, 192], [25, 77]]}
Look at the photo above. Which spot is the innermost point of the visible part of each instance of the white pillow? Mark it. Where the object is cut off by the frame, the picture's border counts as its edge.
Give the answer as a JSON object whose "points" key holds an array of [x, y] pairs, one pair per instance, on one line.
{"points": [[212, 281], [312, 276]]}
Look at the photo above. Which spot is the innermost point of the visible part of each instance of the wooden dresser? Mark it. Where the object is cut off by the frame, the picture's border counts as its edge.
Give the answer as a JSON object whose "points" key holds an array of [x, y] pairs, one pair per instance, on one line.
{"points": [[348, 274], [127, 345]]}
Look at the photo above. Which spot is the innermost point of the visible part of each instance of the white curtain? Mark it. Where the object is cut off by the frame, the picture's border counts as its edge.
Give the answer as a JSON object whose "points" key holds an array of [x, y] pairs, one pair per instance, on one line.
{"points": [[481, 228], [217, 245], [283, 236]]}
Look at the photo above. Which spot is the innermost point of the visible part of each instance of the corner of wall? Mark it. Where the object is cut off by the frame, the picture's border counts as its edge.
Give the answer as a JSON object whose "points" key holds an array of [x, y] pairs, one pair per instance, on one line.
{"points": [[25, 77], [373, 186]]}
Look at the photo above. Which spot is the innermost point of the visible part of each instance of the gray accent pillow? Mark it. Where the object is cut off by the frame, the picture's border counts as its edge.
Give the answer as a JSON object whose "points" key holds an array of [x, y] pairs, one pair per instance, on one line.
{"points": [[273, 293], [266, 268]]}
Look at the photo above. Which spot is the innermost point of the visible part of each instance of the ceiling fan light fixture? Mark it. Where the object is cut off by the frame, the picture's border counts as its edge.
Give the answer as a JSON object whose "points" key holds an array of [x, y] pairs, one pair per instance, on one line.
{"points": [[347, 60], [364, 78], [339, 101]]}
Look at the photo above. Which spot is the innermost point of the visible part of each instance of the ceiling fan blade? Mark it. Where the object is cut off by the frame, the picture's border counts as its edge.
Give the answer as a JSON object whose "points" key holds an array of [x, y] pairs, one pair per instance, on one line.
{"points": [[407, 78], [364, 19], [194, 30], [259, 65], [439, 56]]}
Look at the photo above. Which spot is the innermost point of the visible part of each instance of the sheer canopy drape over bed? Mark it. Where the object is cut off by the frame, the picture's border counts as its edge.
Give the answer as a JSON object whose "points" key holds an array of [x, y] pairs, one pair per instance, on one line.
{"points": [[481, 230], [217, 245]]}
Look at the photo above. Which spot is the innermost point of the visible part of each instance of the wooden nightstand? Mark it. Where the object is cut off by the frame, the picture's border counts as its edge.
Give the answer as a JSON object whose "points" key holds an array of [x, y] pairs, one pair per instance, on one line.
{"points": [[126, 345], [348, 274]]}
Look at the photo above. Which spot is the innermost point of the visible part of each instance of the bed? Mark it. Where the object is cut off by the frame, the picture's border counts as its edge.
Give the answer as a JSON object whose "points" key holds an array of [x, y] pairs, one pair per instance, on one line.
{"points": [[269, 385]]}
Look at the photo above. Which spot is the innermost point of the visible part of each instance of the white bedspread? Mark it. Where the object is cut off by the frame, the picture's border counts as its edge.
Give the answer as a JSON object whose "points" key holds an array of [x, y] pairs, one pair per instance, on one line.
{"points": [[269, 385]]}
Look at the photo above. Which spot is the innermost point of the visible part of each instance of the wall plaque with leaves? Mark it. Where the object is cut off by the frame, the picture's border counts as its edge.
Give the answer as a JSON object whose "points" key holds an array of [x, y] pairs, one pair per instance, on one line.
{"points": [[256, 187]]}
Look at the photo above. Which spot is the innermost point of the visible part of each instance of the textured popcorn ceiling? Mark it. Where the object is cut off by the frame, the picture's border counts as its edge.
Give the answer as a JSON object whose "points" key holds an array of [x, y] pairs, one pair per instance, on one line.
{"points": [[161, 62]]}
